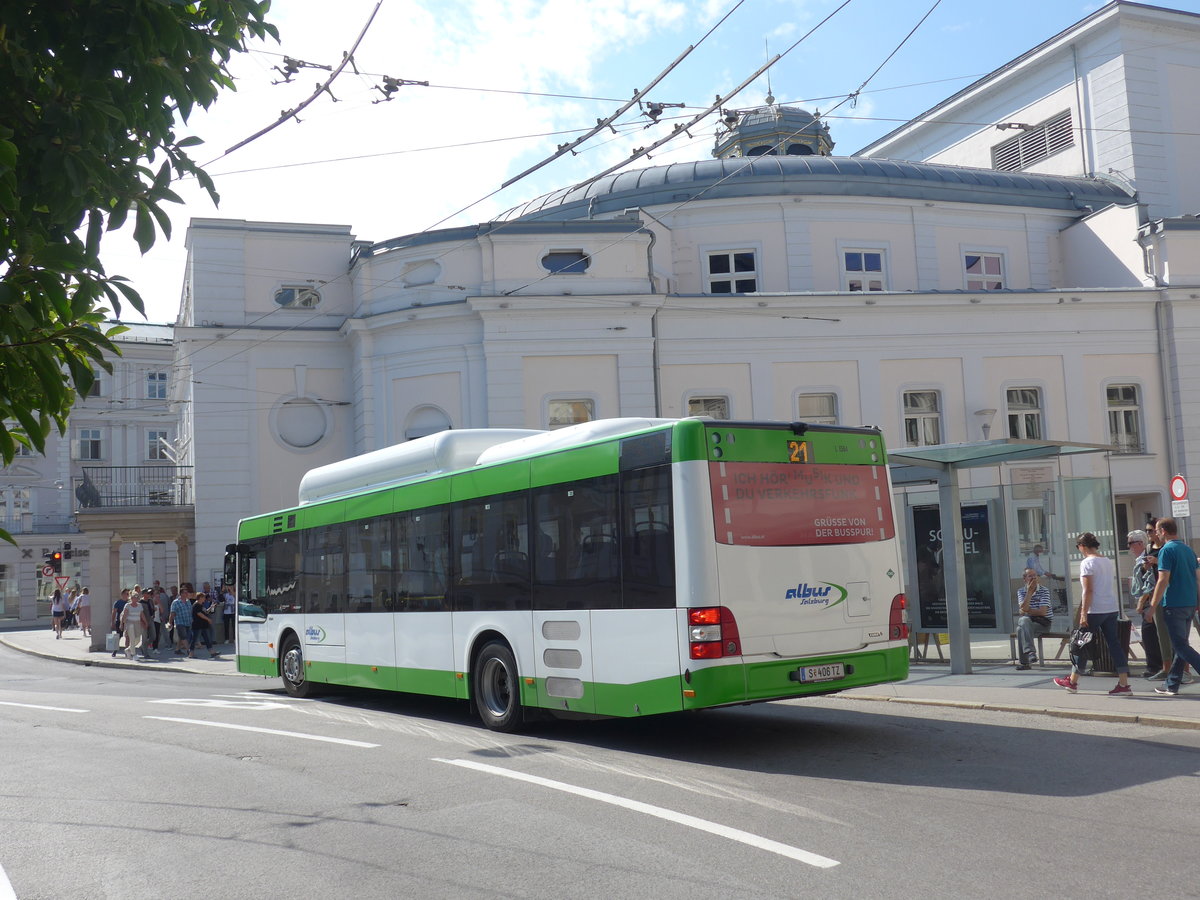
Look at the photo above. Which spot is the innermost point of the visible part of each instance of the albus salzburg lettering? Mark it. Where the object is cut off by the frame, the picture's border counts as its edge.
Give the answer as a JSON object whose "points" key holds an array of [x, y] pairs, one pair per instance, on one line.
{"points": [[815, 595]]}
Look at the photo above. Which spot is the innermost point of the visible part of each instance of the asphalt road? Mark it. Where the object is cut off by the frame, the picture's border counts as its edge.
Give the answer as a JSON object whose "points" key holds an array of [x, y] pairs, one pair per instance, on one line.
{"points": [[120, 783]]}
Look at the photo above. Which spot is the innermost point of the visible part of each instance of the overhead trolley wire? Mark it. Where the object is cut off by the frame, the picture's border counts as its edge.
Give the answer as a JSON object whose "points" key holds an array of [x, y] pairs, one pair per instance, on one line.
{"points": [[601, 124]]}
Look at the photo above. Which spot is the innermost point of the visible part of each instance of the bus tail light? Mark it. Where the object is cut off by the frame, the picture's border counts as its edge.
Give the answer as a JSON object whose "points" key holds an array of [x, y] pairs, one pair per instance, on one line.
{"points": [[712, 633], [898, 621]]}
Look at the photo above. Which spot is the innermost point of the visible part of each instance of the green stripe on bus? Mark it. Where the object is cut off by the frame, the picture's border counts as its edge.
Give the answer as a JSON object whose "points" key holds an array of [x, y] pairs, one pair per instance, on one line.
{"points": [[575, 465], [717, 685], [258, 665]]}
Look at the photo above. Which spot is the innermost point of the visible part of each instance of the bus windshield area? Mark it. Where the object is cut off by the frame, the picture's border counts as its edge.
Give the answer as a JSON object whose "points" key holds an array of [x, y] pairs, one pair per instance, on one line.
{"points": [[768, 504]]}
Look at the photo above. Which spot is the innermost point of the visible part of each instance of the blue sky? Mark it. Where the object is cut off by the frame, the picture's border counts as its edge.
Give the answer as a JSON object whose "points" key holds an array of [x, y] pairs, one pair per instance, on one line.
{"points": [[391, 168]]}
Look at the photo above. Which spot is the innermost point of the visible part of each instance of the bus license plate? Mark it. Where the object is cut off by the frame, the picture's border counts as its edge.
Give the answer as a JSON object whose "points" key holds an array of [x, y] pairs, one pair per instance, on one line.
{"points": [[827, 672]]}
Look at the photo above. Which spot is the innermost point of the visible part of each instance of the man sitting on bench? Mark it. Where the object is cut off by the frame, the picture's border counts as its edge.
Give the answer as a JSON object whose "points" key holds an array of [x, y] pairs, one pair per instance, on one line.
{"points": [[1033, 602]]}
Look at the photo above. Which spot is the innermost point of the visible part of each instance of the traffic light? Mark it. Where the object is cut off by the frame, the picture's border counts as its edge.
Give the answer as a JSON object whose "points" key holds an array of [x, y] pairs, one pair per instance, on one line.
{"points": [[56, 561], [133, 555]]}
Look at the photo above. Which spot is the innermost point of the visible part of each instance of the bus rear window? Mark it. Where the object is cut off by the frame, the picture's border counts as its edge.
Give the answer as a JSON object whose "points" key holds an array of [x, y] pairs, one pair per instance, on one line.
{"points": [[783, 505]]}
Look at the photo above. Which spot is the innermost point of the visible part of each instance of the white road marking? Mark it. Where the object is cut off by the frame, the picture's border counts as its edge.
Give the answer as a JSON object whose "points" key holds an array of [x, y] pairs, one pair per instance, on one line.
{"points": [[733, 834], [295, 734], [35, 706], [6, 888], [224, 704]]}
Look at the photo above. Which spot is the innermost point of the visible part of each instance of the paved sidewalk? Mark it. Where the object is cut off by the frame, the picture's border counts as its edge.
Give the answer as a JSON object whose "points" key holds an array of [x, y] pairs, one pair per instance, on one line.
{"points": [[995, 684], [75, 647]]}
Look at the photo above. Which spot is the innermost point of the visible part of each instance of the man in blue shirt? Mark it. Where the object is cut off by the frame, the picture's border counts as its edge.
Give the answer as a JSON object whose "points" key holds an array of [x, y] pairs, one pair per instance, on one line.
{"points": [[1175, 591]]}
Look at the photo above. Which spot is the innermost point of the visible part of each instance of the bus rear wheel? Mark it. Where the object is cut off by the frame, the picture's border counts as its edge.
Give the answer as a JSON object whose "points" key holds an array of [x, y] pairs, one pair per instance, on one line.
{"points": [[497, 688], [291, 667]]}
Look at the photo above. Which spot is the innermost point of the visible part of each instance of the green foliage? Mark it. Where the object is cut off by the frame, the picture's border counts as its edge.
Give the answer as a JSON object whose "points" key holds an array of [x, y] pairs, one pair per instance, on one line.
{"points": [[91, 93]]}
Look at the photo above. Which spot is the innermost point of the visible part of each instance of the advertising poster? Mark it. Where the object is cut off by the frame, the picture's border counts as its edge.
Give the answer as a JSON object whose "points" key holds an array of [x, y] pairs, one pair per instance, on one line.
{"points": [[977, 554]]}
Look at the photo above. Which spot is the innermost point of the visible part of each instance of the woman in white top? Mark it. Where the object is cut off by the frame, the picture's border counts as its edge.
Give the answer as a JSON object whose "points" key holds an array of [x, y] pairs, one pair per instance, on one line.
{"points": [[58, 612], [85, 611], [1098, 611]]}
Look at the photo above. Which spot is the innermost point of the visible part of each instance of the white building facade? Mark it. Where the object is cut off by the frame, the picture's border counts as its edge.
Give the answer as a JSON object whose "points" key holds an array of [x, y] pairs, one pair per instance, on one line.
{"points": [[949, 298], [118, 456]]}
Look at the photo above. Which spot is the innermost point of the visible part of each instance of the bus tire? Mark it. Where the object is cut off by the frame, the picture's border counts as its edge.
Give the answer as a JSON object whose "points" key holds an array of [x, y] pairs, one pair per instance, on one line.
{"points": [[291, 668], [496, 686]]}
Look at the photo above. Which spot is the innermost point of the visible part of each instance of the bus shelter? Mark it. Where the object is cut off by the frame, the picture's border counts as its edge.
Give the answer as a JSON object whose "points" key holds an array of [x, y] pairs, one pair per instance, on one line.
{"points": [[965, 577]]}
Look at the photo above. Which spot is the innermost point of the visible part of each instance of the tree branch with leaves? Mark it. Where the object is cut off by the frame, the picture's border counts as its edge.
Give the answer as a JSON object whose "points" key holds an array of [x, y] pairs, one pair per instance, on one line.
{"points": [[92, 93]]}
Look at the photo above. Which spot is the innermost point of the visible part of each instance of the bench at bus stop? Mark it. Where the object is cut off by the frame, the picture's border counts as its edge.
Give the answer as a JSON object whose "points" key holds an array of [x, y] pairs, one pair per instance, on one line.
{"points": [[1064, 635]]}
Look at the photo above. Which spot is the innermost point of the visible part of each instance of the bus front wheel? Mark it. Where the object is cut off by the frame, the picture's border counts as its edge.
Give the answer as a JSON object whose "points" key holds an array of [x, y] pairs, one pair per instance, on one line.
{"points": [[497, 688], [291, 667]]}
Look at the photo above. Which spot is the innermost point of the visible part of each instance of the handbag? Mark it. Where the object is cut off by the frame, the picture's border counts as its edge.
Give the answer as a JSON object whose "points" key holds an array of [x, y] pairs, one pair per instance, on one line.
{"points": [[1083, 643]]}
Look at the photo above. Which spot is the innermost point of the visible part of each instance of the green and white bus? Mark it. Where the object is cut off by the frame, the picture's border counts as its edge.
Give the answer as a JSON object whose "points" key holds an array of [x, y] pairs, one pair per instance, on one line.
{"points": [[622, 567]]}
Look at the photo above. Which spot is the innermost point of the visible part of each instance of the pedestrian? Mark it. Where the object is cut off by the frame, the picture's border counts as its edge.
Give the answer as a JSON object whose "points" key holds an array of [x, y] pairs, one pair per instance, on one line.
{"points": [[72, 601], [133, 621], [118, 608], [204, 610], [1141, 586], [1037, 614], [85, 611], [180, 621], [162, 607], [229, 606], [1175, 591], [1098, 610], [58, 612], [150, 641]]}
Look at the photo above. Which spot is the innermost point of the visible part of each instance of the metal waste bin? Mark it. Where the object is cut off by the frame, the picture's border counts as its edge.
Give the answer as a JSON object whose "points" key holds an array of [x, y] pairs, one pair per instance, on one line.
{"points": [[1104, 662]]}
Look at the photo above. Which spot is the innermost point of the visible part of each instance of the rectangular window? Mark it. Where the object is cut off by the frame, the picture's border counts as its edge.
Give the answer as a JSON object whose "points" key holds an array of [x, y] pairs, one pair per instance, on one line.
{"points": [[422, 563], [576, 557], [94, 390], [713, 407], [732, 272], [922, 418], [156, 385], [1034, 143], [1025, 413], [369, 586], [561, 413], [156, 445], [323, 573], [862, 270], [805, 505], [91, 444], [276, 585], [491, 553], [647, 538], [984, 271], [817, 409], [1125, 418]]}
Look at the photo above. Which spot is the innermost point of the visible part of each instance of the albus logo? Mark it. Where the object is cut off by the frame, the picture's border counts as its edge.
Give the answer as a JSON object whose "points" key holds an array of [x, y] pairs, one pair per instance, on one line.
{"points": [[315, 634], [817, 595]]}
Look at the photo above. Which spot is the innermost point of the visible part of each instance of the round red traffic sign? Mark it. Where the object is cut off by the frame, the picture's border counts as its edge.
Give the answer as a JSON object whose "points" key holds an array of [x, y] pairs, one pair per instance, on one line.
{"points": [[1178, 488], [47, 571]]}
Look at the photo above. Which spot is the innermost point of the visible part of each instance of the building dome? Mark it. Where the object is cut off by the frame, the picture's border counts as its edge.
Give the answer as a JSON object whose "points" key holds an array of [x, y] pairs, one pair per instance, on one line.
{"points": [[773, 130]]}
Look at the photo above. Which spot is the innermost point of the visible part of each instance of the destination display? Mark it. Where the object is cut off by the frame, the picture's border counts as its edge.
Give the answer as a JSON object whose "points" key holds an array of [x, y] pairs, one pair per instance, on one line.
{"points": [[786, 505]]}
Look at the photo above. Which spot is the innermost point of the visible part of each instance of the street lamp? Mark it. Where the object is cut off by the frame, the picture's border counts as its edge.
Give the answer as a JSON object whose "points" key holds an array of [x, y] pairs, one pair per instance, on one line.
{"points": [[985, 423]]}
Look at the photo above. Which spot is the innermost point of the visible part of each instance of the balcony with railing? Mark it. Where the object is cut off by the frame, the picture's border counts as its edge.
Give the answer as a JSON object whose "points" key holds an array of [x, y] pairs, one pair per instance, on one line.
{"points": [[138, 488]]}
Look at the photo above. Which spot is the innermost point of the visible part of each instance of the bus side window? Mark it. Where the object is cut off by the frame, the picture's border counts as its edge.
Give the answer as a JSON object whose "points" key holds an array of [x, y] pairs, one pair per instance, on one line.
{"points": [[583, 570], [648, 580]]}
